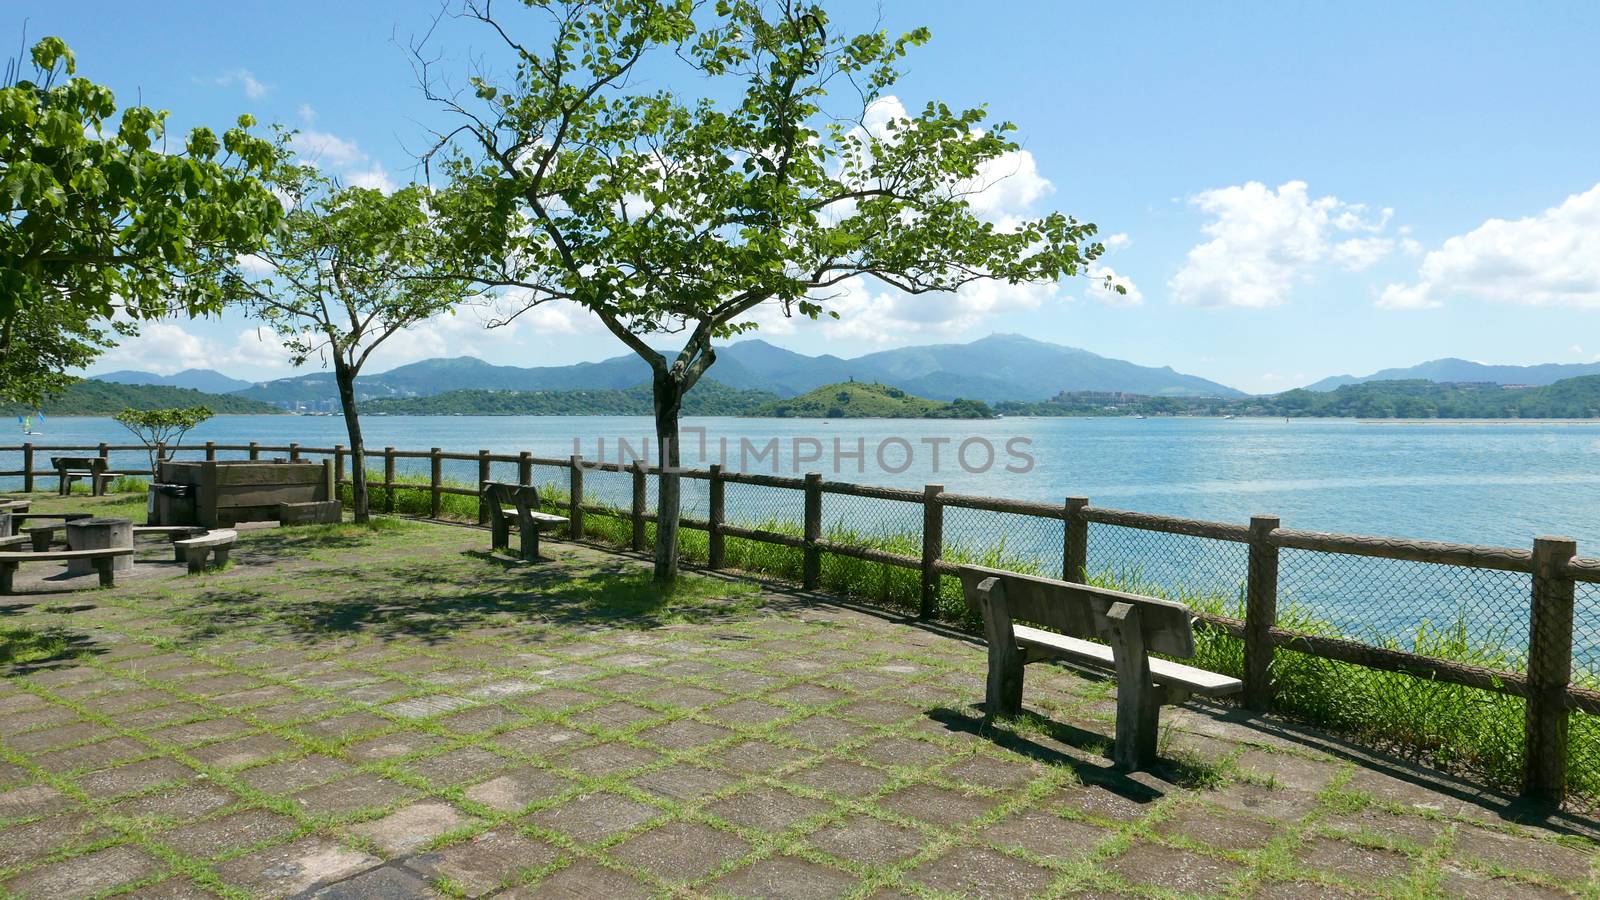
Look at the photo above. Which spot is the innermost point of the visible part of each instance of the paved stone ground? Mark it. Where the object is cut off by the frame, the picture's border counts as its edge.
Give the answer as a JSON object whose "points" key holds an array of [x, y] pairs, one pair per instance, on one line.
{"points": [[357, 714]]}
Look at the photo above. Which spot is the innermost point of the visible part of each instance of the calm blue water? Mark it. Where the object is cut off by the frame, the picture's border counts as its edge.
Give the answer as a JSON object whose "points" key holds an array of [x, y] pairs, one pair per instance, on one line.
{"points": [[1493, 483], [1497, 483]]}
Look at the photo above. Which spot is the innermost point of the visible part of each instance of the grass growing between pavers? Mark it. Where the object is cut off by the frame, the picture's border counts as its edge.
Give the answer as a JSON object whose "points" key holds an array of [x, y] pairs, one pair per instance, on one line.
{"points": [[345, 696]]}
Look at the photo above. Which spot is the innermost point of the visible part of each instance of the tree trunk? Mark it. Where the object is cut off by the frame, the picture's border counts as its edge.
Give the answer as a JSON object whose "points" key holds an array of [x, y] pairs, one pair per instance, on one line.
{"points": [[358, 456], [668, 400]]}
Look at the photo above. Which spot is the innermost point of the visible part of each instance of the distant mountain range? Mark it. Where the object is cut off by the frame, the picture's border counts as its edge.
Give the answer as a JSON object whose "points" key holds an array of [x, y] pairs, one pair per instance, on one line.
{"points": [[998, 367], [1462, 370], [207, 380]]}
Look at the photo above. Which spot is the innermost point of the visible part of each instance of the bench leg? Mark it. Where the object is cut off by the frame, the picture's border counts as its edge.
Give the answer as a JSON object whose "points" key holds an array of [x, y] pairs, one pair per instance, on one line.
{"points": [[219, 557], [8, 573], [197, 559], [498, 537], [41, 541], [1138, 701], [1003, 691], [530, 542], [105, 565], [65, 487], [177, 551]]}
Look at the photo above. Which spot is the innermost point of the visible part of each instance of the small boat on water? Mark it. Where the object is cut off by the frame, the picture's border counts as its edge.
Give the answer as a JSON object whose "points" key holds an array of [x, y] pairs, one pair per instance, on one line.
{"points": [[27, 424]]}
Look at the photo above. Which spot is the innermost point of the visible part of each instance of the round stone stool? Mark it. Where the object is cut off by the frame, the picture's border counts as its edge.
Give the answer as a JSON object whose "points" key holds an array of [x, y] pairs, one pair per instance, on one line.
{"points": [[99, 534]]}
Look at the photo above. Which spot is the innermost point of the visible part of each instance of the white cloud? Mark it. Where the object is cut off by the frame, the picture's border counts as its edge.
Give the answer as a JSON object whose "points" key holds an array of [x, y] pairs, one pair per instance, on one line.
{"points": [[1548, 259], [1103, 293], [353, 165], [1264, 242], [448, 335], [871, 313], [308, 114], [167, 347], [253, 89], [320, 147], [1117, 241]]}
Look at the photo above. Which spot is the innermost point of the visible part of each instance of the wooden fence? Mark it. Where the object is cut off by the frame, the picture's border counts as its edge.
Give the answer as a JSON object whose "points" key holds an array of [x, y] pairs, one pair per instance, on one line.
{"points": [[1552, 562]]}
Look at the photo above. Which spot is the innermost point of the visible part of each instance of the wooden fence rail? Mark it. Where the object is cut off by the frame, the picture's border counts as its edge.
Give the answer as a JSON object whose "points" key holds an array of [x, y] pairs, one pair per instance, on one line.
{"points": [[1551, 561]]}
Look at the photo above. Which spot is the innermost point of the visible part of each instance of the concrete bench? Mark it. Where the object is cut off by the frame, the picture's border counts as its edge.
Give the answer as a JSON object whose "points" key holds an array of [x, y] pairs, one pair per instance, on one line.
{"points": [[213, 544], [94, 468], [516, 504], [101, 560], [1132, 627], [313, 512], [177, 533]]}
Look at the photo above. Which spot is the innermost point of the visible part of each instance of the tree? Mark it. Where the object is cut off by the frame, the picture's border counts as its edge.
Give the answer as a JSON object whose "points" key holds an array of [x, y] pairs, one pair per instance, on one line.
{"points": [[350, 268], [161, 429], [668, 213], [94, 222]]}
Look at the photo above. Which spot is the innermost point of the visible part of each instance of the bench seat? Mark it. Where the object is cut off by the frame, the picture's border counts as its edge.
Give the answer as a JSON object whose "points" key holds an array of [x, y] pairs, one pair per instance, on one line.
{"points": [[102, 560], [1162, 671], [212, 544], [543, 518]]}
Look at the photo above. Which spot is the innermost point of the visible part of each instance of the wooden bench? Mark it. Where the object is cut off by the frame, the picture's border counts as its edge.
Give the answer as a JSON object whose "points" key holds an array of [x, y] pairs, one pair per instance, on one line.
{"points": [[176, 532], [102, 561], [94, 468], [1132, 627], [522, 502], [214, 544]]}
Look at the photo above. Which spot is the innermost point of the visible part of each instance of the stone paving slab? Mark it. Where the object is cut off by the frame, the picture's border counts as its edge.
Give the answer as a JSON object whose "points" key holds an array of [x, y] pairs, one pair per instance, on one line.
{"points": [[395, 713]]}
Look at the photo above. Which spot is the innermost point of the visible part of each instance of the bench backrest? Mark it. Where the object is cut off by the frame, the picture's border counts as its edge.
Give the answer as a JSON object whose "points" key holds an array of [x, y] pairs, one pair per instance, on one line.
{"points": [[88, 463], [1079, 610], [499, 494]]}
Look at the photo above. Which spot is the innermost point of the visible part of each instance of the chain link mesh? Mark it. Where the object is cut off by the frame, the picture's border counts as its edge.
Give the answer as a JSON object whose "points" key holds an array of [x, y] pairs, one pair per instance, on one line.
{"points": [[1462, 613], [893, 525], [1003, 540], [1203, 572], [758, 506]]}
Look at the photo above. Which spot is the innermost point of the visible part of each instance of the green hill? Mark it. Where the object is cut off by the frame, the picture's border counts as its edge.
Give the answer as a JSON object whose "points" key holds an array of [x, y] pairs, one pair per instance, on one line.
{"points": [[1414, 398], [708, 398], [105, 398], [858, 400]]}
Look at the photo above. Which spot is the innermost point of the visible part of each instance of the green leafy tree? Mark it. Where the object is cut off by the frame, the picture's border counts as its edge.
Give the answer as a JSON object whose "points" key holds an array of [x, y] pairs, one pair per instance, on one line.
{"points": [[673, 213], [97, 219], [351, 268], [162, 429]]}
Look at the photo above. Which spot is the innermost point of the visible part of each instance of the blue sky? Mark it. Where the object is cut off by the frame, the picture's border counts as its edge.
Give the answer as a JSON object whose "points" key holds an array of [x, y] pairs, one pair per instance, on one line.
{"points": [[1295, 190]]}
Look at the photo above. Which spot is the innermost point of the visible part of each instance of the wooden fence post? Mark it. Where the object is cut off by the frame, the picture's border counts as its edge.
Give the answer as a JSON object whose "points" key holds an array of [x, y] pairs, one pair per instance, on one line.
{"points": [[932, 549], [811, 561], [1260, 613], [716, 556], [1075, 542], [211, 450], [27, 467], [255, 450], [329, 483], [338, 465], [639, 501], [155, 473], [524, 468], [1544, 771], [294, 451], [435, 478], [483, 475], [575, 501], [388, 479]]}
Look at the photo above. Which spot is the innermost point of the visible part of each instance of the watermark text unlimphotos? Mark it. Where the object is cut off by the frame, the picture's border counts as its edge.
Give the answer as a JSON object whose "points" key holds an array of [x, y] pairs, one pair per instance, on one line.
{"points": [[794, 454]]}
